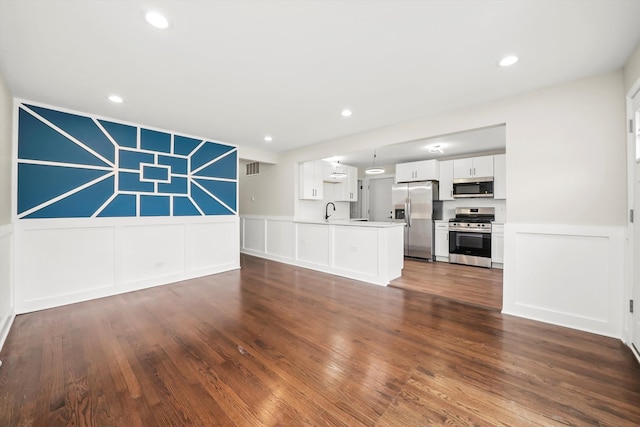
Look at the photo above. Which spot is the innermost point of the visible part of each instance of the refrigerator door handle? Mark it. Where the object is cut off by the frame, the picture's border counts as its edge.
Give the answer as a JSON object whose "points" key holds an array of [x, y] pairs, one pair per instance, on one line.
{"points": [[407, 211]]}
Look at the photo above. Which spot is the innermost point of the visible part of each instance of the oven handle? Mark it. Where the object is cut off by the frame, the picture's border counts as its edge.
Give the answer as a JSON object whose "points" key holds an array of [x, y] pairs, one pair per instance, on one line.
{"points": [[470, 230]]}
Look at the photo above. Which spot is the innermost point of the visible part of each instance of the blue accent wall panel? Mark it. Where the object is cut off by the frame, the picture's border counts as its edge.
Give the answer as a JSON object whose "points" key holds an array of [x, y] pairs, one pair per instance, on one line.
{"points": [[182, 206], [38, 184], [124, 135], [38, 141], [224, 168], [155, 141], [81, 128], [184, 146], [81, 204], [78, 166], [207, 153], [154, 205], [122, 205]]}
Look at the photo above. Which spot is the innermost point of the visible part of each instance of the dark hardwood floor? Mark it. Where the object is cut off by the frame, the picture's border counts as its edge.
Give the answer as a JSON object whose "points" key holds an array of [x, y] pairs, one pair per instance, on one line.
{"points": [[273, 344], [477, 286]]}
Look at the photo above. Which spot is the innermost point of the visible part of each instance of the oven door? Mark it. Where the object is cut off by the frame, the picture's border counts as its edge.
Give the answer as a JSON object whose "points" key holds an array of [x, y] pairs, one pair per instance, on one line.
{"points": [[470, 243]]}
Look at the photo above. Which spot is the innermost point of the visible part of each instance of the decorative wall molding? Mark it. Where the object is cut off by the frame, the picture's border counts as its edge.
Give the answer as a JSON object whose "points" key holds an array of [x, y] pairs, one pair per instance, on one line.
{"points": [[566, 275], [79, 166], [66, 261]]}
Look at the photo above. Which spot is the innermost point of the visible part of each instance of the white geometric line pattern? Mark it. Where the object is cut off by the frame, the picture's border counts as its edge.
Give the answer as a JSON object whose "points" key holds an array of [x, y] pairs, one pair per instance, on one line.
{"points": [[71, 165]]}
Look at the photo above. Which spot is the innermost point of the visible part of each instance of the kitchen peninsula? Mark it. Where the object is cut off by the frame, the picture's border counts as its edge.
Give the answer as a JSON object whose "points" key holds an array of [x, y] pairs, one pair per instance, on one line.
{"points": [[368, 251]]}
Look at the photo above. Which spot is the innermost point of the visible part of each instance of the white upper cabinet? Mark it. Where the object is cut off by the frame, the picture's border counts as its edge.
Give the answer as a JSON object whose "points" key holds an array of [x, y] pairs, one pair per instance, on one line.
{"points": [[347, 190], [500, 176], [473, 167], [446, 180], [343, 189], [425, 170], [311, 177]]}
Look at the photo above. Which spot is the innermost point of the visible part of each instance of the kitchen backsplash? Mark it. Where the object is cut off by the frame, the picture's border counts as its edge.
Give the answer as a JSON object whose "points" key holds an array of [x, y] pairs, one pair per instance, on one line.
{"points": [[449, 207]]}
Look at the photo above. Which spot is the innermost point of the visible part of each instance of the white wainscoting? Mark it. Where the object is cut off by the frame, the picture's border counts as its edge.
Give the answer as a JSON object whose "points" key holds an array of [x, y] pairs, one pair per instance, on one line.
{"points": [[7, 312], [369, 254], [565, 275], [65, 261]]}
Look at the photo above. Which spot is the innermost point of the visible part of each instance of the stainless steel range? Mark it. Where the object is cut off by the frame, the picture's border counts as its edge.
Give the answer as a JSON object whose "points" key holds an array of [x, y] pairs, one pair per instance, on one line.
{"points": [[470, 236]]}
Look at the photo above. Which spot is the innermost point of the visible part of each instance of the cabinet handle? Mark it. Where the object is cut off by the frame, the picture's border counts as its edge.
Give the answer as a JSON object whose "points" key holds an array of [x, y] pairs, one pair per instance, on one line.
{"points": [[474, 171], [470, 173]]}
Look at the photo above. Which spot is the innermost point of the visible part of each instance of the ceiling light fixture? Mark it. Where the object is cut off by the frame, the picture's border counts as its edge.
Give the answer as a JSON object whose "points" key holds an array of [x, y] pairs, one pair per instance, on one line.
{"points": [[508, 60], [268, 138], [346, 113], [373, 170], [157, 20], [338, 172], [116, 99]]}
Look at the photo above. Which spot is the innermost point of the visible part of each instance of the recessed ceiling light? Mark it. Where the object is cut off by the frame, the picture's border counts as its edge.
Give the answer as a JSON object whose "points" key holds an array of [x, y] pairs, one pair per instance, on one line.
{"points": [[116, 99], [268, 138], [508, 60], [346, 113], [157, 20]]}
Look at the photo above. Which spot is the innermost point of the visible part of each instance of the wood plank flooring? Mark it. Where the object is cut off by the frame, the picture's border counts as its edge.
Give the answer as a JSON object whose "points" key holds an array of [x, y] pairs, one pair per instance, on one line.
{"points": [[477, 286], [273, 344]]}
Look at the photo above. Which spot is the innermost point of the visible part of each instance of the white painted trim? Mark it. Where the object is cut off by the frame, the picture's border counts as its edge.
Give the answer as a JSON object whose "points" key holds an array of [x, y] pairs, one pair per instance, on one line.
{"points": [[7, 231], [530, 266], [6, 328]]}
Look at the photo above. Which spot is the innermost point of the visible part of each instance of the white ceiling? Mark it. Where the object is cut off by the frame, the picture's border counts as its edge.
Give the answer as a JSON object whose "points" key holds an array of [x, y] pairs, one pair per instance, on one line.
{"points": [[491, 140], [235, 71]]}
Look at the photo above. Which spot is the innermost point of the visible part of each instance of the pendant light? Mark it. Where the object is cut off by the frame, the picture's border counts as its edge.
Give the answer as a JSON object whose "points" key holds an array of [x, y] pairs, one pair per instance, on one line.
{"points": [[373, 170], [338, 172]]}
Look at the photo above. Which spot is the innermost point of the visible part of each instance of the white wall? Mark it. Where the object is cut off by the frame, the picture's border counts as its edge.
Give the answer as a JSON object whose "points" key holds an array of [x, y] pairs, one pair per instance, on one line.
{"points": [[6, 229], [65, 261], [566, 168], [632, 70]]}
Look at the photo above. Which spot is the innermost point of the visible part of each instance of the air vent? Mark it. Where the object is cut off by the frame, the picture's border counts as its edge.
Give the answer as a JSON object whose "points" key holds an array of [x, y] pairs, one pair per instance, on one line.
{"points": [[253, 168]]}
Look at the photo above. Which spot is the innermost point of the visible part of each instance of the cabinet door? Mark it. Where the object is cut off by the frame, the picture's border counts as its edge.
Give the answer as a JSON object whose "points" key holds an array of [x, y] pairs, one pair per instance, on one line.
{"points": [[497, 244], [482, 166], [500, 176], [406, 172], [352, 184], [446, 180], [442, 241], [427, 170], [463, 168], [311, 180]]}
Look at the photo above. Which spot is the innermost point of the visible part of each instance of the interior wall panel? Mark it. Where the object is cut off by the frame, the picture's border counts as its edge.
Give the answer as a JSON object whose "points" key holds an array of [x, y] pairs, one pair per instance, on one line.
{"points": [[62, 262], [566, 275], [150, 251]]}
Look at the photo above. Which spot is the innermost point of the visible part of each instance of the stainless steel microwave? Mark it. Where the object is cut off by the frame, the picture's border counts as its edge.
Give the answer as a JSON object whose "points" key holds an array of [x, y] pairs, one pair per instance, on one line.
{"points": [[472, 187]]}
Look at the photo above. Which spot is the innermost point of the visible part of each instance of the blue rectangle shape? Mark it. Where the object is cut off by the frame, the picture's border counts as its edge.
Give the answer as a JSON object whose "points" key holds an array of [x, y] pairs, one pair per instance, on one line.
{"points": [[132, 159], [130, 181], [155, 173], [177, 185], [155, 205], [155, 141], [178, 165]]}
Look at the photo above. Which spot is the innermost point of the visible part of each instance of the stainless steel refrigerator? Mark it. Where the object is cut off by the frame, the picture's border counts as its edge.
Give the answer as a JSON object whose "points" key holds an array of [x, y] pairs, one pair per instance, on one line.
{"points": [[416, 205]]}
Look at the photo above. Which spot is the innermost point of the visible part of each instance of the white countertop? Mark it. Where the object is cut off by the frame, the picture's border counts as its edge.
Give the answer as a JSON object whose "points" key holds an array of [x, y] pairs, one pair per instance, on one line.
{"points": [[351, 223]]}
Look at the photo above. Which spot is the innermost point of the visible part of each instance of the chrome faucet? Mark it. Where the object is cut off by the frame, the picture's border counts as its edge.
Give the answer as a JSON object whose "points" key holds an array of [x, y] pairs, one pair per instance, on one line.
{"points": [[326, 211]]}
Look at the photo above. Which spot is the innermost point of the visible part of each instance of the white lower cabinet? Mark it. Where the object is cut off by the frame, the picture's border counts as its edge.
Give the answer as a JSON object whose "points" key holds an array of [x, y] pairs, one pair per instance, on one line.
{"points": [[441, 250], [497, 245]]}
